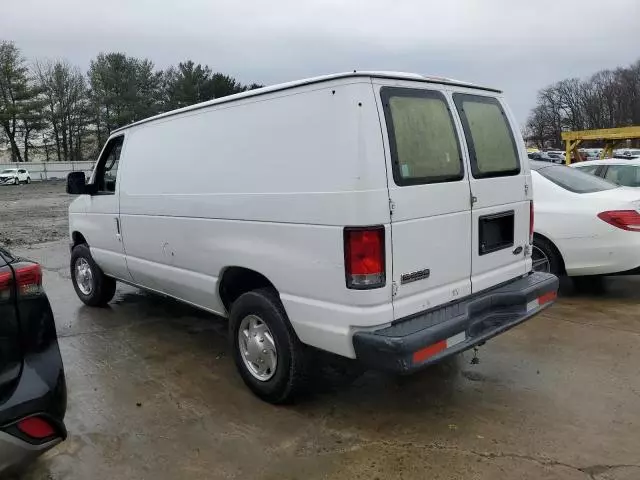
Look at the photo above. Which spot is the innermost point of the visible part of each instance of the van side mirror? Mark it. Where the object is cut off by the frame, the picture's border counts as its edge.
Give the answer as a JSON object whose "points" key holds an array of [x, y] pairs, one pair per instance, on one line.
{"points": [[76, 183]]}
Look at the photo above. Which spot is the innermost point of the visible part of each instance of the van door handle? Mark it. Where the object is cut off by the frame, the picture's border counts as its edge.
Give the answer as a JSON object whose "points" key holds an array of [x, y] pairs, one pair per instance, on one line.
{"points": [[117, 220]]}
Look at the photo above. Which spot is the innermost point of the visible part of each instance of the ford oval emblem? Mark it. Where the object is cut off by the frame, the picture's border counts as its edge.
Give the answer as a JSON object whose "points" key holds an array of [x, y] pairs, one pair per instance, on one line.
{"points": [[517, 251]]}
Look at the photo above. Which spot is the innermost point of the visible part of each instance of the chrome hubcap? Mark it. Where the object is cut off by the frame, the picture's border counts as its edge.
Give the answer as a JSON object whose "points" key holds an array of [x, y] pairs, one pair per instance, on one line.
{"points": [[84, 276], [257, 348], [540, 260]]}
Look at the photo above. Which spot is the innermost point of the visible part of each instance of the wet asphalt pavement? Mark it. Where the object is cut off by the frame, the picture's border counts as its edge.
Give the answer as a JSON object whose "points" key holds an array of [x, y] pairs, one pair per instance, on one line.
{"points": [[153, 394]]}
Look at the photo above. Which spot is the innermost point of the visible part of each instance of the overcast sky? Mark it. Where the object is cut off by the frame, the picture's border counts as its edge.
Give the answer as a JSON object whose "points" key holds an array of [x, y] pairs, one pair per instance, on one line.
{"points": [[517, 45]]}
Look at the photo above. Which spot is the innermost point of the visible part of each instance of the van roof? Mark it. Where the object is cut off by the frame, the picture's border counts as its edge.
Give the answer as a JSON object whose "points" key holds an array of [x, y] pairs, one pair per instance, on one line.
{"points": [[307, 81]]}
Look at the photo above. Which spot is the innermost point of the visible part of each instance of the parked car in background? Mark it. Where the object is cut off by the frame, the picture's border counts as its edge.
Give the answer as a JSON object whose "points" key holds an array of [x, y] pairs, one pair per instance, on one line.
{"points": [[556, 152], [584, 225], [544, 157], [621, 172], [290, 232], [633, 152], [14, 176], [559, 157], [33, 396], [590, 153]]}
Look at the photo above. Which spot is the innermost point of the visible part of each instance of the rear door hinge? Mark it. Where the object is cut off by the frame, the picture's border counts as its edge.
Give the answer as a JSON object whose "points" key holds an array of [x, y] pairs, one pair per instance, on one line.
{"points": [[526, 189], [394, 289], [473, 200], [392, 206]]}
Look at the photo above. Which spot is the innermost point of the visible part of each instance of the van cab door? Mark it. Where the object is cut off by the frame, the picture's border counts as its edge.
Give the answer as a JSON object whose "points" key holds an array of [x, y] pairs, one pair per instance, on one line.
{"points": [[101, 224], [429, 194], [501, 196]]}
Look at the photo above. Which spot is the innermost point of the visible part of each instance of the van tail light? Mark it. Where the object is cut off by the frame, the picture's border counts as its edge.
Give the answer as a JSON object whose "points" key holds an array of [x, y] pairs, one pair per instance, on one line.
{"points": [[531, 218], [625, 219], [364, 259]]}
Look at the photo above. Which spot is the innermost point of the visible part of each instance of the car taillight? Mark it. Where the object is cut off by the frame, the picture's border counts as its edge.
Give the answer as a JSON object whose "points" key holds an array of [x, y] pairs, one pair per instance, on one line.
{"points": [[531, 218], [36, 427], [624, 219], [28, 279], [364, 259], [5, 284]]}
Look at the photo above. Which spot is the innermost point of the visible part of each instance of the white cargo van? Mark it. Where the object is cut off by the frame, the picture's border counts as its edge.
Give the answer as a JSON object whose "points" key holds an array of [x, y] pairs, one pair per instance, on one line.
{"points": [[385, 217]]}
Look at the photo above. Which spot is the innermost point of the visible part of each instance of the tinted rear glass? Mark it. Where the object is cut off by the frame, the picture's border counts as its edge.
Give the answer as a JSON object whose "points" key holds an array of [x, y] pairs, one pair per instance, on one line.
{"points": [[422, 137], [492, 146], [574, 180], [627, 175]]}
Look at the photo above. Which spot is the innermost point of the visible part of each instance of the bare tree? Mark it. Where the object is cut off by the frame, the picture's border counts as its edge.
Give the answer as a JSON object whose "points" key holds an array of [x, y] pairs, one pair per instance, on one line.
{"points": [[19, 104], [67, 107], [610, 98]]}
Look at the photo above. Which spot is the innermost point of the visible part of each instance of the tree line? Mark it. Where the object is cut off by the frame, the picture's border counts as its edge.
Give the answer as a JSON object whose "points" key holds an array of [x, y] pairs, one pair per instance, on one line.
{"points": [[608, 99], [54, 106]]}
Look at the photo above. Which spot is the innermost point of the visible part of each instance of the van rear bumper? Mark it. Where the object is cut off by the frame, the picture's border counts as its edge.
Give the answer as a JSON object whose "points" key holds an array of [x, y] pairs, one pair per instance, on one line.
{"points": [[412, 343]]}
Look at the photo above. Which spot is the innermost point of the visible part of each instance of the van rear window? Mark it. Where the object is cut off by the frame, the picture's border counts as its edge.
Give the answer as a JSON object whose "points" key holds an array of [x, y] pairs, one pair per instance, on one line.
{"points": [[422, 137], [492, 147]]}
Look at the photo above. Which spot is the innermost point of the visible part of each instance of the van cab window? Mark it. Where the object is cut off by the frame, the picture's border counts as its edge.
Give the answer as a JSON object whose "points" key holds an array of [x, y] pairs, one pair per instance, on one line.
{"points": [[107, 169], [492, 147], [422, 137]]}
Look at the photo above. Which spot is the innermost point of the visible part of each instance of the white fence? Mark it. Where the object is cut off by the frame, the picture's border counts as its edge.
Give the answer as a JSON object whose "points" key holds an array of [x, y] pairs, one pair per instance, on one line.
{"points": [[51, 170]]}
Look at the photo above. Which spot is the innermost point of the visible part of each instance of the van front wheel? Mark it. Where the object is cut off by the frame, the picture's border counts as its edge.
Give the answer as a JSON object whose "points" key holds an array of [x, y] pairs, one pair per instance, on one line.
{"points": [[267, 353], [92, 286]]}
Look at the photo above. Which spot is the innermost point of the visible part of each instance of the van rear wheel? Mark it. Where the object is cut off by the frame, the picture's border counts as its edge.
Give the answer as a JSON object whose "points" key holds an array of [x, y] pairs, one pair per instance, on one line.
{"points": [[268, 355], [92, 286]]}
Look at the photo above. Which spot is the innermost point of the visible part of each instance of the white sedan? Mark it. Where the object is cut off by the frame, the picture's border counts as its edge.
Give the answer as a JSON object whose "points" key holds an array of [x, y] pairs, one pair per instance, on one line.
{"points": [[584, 225], [616, 170], [14, 176]]}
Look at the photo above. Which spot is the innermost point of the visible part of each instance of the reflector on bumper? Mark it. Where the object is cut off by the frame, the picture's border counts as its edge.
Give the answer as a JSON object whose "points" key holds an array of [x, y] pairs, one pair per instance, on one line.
{"points": [[424, 353]]}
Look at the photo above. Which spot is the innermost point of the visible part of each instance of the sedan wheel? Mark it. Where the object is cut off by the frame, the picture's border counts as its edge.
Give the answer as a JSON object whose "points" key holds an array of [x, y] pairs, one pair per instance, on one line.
{"points": [[540, 260]]}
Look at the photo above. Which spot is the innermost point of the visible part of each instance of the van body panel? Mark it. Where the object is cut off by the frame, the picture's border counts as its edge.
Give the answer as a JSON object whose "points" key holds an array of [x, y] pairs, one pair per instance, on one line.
{"points": [[495, 195], [431, 223], [268, 182], [182, 230]]}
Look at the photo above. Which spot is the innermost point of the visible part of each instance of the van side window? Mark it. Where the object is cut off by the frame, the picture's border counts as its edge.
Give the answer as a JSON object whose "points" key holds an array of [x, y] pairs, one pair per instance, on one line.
{"points": [[107, 169], [492, 147], [422, 137]]}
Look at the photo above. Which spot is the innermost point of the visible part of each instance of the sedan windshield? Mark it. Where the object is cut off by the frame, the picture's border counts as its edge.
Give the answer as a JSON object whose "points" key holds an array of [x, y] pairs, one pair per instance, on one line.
{"points": [[9, 170], [574, 180]]}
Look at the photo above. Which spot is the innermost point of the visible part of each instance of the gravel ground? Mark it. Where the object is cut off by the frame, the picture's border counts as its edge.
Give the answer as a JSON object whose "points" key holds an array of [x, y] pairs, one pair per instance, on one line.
{"points": [[33, 213]]}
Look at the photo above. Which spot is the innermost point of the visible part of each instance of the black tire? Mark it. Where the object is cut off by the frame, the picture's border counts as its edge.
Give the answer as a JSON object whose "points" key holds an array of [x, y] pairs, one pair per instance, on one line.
{"points": [[289, 379], [556, 265], [103, 288], [590, 284], [28, 180], [16, 181]]}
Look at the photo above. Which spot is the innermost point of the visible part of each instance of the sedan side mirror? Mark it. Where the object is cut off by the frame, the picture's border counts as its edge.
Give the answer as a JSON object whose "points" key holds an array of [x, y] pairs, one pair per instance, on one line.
{"points": [[76, 183]]}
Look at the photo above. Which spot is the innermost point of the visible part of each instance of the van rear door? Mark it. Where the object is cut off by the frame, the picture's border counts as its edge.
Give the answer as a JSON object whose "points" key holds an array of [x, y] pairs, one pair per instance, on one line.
{"points": [[501, 197], [429, 195]]}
